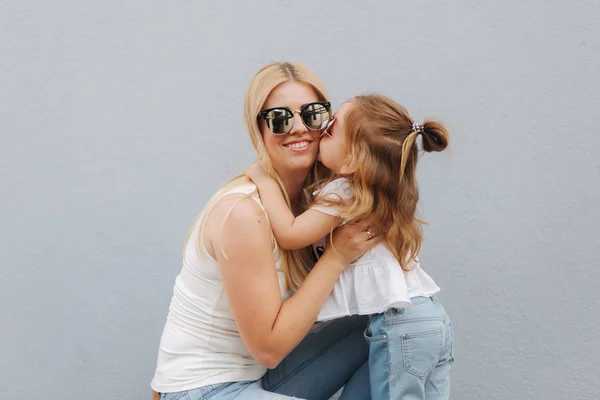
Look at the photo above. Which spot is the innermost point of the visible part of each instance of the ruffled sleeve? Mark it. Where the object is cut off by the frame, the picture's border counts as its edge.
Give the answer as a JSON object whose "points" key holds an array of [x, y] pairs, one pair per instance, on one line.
{"points": [[338, 190]]}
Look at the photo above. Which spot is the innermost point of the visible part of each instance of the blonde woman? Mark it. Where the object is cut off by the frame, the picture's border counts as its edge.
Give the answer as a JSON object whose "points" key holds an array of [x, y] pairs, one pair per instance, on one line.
{"points": [[241, 304]]}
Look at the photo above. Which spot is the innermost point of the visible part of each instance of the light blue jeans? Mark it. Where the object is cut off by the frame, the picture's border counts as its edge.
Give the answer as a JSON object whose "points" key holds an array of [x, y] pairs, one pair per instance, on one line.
{"points": [[410, 352], [333, 355]]}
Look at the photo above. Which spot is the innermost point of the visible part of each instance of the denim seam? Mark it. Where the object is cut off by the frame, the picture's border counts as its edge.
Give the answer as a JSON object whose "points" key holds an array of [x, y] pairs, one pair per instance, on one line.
{"points": [[184, 393], [390, 363], [392, 321], [428, 332], [308, 362], [438, 305], [216, 391], [375, 339]]}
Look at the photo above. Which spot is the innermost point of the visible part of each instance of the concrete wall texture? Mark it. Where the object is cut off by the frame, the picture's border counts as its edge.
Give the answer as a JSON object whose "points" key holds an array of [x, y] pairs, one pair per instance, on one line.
{"points": [[119, 119]]}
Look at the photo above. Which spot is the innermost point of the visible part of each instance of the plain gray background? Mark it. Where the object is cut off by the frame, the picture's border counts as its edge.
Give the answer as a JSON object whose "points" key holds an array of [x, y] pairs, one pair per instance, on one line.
{"points": [[119, 119]]}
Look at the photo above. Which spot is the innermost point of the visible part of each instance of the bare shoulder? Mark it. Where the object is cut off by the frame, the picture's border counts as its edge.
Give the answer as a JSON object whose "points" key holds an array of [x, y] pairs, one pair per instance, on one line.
{"points": [[236, 209], [237, 222]]}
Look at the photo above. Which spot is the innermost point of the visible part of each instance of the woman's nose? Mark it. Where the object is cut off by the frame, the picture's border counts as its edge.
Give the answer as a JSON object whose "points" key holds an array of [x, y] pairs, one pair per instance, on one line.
{"points": [[298, 126]]}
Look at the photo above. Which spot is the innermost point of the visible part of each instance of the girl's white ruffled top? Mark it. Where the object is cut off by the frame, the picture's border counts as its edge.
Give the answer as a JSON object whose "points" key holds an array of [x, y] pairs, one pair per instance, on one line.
{"points": [[376, 281]]}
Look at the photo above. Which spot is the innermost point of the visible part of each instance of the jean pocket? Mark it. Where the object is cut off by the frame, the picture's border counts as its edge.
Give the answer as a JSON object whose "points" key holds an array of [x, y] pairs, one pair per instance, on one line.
{"points": [[376, 336], [372, 339], [422, 350], [207, 392]]}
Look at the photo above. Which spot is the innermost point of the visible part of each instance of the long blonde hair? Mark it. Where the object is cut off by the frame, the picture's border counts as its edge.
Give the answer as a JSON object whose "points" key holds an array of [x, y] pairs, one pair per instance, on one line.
{"points": [[296, 264], [382, 158]]}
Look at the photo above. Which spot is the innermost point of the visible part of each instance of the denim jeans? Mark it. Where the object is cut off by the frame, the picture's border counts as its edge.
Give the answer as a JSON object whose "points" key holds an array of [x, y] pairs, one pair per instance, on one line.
{"points": [[249, 390], [333, 355], [410, 352]]}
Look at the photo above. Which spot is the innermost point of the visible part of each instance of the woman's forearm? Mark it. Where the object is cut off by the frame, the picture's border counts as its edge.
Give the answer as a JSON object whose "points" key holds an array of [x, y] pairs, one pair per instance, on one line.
{"points": [[269, 326], [298, 314]]}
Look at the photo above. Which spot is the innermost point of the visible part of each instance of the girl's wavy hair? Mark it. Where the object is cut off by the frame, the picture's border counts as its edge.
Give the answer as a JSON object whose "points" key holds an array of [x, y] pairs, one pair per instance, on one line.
{"points": [[382, 157]]}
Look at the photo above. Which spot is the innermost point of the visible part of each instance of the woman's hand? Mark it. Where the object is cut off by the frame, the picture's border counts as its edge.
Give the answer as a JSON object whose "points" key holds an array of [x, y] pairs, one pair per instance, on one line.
{"points": [[257, 173], [352, 240]]}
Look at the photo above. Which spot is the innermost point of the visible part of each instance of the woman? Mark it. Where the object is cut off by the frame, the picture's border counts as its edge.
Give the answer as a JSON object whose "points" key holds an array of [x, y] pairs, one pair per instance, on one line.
{"points": [[233, 314]]}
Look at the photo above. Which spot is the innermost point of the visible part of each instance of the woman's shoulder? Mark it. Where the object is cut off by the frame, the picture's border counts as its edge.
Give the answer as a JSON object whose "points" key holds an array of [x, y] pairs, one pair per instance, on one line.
{"points": [[240, 202], [238, 188], [240, 185], [236, 214]]}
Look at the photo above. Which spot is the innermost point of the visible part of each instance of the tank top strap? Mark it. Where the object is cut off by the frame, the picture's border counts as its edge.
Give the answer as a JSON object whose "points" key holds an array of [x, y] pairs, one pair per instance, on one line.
{"points": [[196, 234]]}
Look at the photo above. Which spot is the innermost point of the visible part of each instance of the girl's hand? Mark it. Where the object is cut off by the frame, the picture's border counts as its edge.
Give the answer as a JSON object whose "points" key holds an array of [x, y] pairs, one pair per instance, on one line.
{"points": [[257, 172], [352, 240]]}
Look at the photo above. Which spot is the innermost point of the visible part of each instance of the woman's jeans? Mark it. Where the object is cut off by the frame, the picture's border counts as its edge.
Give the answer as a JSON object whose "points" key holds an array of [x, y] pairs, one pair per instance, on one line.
{"points": [[410, 352], [333, 355]]}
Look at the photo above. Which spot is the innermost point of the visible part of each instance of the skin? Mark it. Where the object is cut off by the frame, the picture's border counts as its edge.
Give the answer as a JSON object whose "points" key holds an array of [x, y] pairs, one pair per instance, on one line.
{"points": [[269, 326], [294, 153], [333, 148], [294, 232]]}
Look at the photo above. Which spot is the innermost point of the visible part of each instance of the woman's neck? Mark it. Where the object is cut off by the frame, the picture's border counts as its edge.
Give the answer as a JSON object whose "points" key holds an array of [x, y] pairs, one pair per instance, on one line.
{"points": [[294, 184]]}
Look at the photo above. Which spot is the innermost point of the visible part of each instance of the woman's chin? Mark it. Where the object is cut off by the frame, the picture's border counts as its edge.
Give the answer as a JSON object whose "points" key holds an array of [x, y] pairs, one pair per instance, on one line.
{"points": [[302, 163]]}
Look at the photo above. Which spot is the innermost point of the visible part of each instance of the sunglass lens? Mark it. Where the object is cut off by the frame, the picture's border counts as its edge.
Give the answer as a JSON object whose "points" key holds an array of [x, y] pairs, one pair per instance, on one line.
{"points": [[279, 121], [315, 116]]}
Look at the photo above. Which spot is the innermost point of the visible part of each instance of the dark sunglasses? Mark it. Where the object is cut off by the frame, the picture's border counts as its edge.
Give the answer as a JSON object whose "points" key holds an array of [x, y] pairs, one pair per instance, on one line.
{"points": [[280, 120]]}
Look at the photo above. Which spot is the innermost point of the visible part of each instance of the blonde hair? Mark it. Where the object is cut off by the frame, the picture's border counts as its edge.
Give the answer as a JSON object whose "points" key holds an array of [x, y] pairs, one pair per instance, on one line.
{"points": [[382, 158], [296, 264]]}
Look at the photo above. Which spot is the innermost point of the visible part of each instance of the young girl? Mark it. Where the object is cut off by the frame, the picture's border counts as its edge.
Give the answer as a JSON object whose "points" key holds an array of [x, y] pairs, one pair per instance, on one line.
{"points": [[370, 146]]}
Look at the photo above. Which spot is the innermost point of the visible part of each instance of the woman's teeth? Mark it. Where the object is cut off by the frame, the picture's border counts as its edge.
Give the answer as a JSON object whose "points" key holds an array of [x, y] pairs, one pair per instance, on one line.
{"points": [[298, 145]]}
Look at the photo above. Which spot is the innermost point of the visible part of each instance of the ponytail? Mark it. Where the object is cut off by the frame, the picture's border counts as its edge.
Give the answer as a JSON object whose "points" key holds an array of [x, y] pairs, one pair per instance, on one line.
{"points": [[435, 138]]}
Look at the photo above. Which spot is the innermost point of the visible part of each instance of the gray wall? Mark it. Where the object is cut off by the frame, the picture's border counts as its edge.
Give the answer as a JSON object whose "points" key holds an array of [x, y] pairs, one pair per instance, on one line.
{"points": [[119, 119]]}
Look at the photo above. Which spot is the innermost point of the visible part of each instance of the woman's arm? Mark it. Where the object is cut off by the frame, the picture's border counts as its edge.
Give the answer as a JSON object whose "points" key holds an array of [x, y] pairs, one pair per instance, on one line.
{"points": [[291, 232], [270, 327]]}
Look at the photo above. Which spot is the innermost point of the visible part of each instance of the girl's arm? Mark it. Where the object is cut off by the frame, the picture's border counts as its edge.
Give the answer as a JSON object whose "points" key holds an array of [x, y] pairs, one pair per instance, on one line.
{"points": [[291, 232], [242, 245]]}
